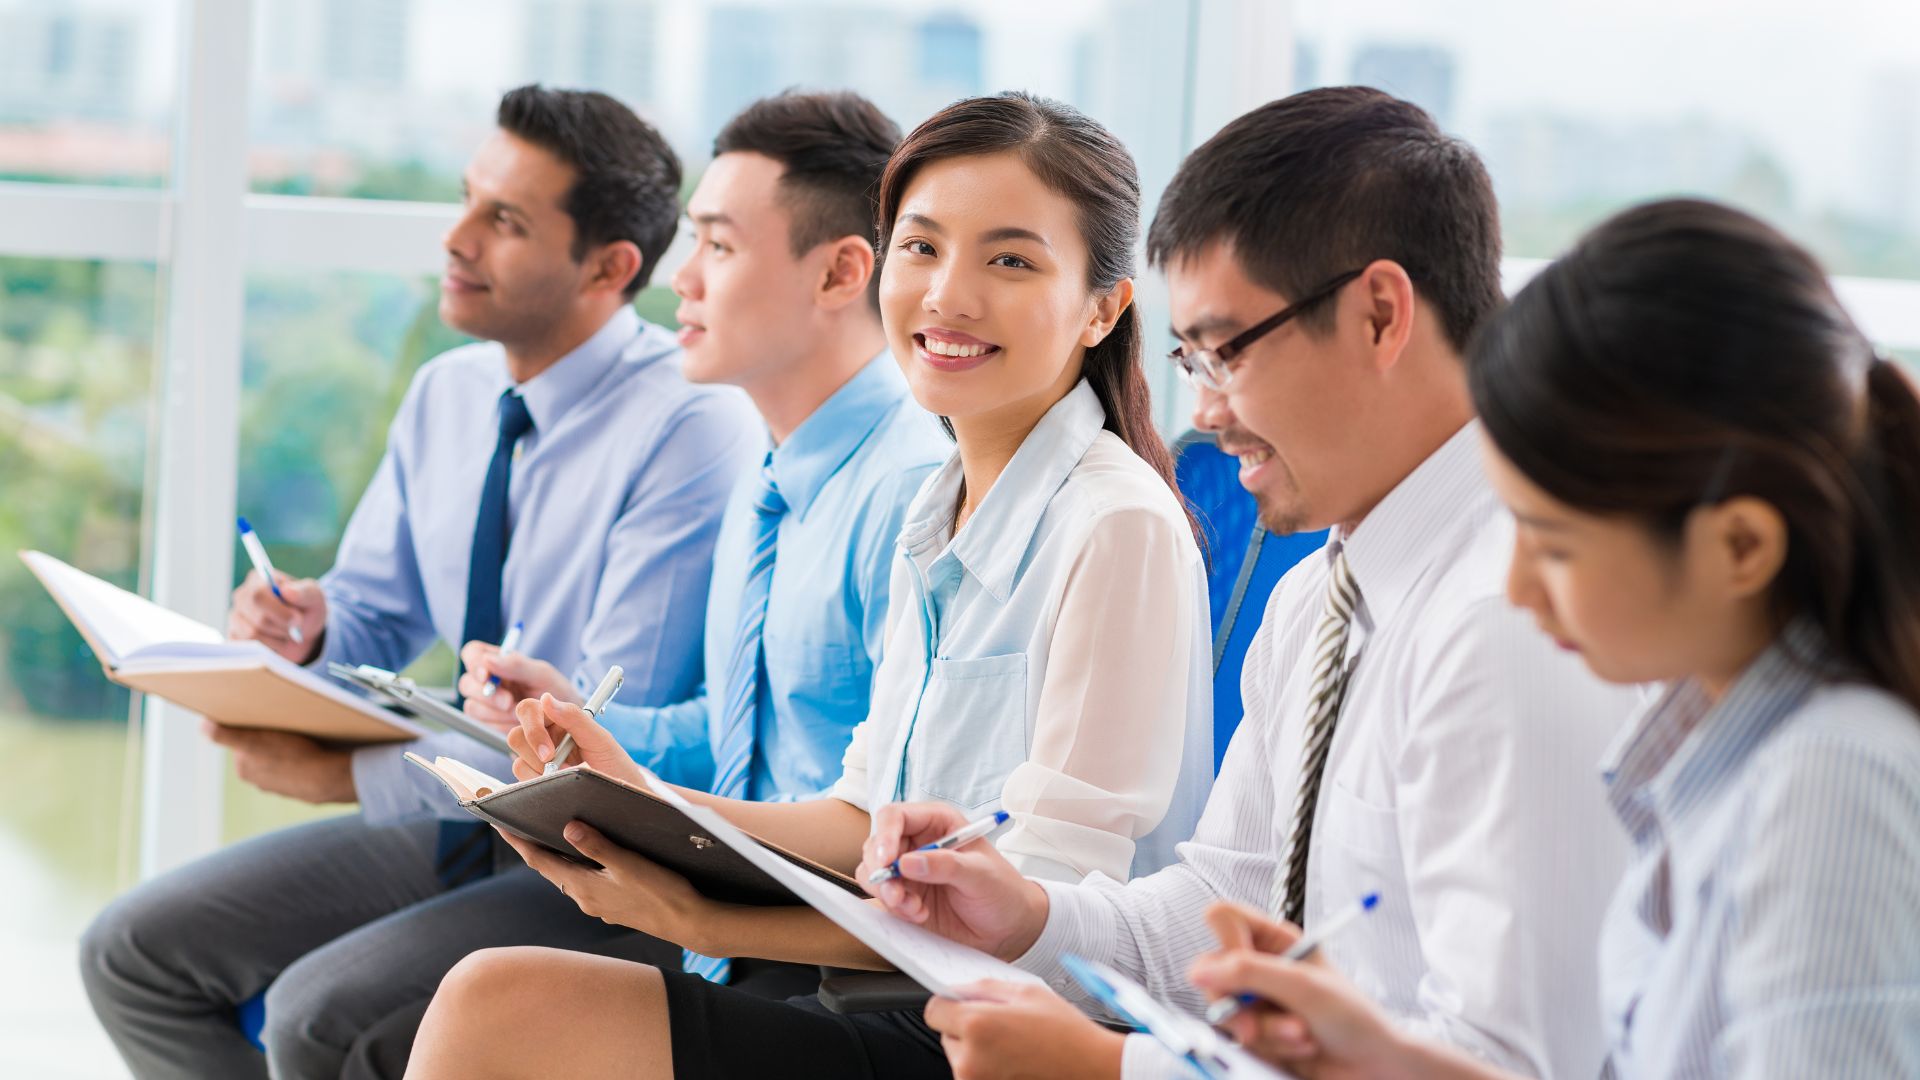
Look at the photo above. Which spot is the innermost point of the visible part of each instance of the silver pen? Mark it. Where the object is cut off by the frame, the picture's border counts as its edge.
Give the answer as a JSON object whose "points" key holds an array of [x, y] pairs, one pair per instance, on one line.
{"points": [[608, 687]]}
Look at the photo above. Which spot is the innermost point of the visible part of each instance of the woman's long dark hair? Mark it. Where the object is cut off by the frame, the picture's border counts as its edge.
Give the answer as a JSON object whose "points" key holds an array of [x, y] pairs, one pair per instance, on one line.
{"points": [[1081, 161], [1685, 353]]}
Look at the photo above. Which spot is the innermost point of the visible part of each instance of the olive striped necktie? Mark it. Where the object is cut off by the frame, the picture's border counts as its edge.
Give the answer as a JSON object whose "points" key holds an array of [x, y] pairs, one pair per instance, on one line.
{"points": [[1331, 674]]}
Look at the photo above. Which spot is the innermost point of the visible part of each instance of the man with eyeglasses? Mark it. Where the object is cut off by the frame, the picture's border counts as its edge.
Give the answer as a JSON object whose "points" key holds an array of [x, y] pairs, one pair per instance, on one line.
{"points": [[1407, 732]]}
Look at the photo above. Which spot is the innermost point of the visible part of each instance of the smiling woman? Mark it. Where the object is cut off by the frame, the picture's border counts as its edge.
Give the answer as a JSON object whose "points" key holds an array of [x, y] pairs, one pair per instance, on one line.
{"points": [[1046, 652]]}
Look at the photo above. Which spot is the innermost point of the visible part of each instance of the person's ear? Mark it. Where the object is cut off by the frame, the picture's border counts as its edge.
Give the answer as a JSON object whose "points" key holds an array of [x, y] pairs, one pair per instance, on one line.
{"points": [[614, 265], [1107, 310], [847, 274], [1388, 304], [1746, 544]]}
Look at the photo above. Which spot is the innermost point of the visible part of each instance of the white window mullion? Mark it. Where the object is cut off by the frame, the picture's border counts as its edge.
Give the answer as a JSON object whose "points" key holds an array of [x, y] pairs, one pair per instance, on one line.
{"points": [[52, 221], [198, 430]]}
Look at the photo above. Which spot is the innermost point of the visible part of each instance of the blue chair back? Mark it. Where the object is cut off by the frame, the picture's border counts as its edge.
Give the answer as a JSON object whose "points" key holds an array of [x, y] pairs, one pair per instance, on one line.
{"points": [[1244, 562]]}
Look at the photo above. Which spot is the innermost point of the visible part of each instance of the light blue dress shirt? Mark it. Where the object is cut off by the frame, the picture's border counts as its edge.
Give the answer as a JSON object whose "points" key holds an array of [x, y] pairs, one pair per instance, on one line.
{"points": [[1767, 926], [615, 498], [1050, 659], [847, 474]]}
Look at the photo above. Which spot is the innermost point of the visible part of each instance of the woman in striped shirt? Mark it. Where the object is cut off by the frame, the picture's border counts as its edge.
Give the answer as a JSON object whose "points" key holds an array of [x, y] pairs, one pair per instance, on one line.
{"points": [[1717, 486]]}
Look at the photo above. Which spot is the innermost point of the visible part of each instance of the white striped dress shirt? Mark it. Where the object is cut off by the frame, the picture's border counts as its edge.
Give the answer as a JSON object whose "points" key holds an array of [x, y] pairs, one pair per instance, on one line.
{"points": [[1459, 784], [1769, 922]]}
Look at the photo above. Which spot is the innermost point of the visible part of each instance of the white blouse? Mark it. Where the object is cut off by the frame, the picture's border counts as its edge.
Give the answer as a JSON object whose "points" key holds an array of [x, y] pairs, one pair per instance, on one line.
{"points": [[1052, 660]]}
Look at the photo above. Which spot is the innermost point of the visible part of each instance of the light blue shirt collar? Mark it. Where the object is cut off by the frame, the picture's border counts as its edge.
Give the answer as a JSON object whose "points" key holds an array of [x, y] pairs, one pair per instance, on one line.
{"points": [[552, 392], [825, 440], [994, 545]]}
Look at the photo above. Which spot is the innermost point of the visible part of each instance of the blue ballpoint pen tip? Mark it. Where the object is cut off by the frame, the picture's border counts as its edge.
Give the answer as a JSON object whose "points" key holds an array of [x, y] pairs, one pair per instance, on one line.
{"points": [[1369, 901], [244, 527]]}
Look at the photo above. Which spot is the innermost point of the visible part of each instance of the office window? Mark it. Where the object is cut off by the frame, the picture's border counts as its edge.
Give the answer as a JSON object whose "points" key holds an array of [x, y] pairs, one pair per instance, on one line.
{"points": [[85, 90], [1808, 115], [387, 98], [76, 368]]}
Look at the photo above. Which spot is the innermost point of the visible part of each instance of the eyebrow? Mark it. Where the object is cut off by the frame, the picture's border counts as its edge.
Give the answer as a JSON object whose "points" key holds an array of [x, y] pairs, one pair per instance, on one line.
{"points": [[466, 192], [1208, 324], [1545, 524], [712, 218], [991, 236]]}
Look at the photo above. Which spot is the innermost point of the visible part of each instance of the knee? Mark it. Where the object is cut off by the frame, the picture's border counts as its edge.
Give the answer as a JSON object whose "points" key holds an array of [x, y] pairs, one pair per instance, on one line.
{"points": [[300, 1004], [115, 961], [487, 992], [494, 977], [102, 945]]}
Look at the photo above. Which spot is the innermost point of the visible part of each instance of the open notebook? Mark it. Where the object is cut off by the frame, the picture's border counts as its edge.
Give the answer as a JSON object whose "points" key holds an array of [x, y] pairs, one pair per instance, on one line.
{"points": [[146, 647], [638, 820]]}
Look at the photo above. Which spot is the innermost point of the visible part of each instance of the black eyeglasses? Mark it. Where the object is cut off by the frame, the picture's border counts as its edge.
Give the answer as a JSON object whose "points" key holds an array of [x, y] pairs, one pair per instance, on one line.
{"points": [[1207, 368]]}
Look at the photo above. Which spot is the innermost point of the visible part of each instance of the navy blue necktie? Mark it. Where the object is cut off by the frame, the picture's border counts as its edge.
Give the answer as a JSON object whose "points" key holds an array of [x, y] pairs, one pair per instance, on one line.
{"points": [[464, 852]]}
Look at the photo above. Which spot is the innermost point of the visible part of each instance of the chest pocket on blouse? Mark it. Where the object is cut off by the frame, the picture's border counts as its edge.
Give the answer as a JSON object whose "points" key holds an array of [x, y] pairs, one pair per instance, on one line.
{"points": [[972, 729], [830, 678]]}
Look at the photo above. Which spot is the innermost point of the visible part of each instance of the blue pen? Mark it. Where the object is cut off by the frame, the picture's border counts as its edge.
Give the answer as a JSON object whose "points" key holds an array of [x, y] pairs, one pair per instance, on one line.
{"points": [[966, 834], [257, 552], [1228, 1007], [507, 645]]}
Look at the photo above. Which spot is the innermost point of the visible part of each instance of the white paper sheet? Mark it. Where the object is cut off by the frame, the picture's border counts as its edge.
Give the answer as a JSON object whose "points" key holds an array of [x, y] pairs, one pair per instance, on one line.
{"points": [[940, 965], [123, 622]]}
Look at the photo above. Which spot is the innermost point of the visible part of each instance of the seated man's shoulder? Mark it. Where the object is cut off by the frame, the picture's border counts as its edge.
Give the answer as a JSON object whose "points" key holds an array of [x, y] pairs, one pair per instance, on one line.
{"points": [[910, 439], [475, 362]]}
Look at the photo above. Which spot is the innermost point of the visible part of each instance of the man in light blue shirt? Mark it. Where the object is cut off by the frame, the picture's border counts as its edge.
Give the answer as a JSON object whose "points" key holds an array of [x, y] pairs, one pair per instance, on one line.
{"points": [[564, 474], [778, 299]]}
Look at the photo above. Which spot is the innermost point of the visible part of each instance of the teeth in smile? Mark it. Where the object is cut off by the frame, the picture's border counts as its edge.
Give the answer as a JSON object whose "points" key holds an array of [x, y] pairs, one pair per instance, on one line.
{"points": [[946, 348], [1253, 458]]}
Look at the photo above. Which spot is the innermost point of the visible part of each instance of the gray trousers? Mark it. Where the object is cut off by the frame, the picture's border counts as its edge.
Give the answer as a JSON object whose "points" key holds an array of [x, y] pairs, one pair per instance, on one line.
{"points": [[342, 923]]}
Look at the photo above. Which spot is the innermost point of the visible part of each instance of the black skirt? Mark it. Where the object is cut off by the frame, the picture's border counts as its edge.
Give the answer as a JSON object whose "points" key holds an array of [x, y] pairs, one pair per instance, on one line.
{"points": [[729, 1034]]}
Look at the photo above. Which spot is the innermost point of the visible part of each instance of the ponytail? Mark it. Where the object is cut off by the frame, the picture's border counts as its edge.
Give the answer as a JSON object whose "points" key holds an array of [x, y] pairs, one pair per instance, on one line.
{"points": [[1881, 615]]}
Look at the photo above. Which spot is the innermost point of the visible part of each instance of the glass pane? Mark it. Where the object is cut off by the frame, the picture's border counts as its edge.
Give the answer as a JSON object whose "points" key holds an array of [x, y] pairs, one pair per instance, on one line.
{"points": [[1806, 115], [76, 367], [86, 90], [387, 98]]}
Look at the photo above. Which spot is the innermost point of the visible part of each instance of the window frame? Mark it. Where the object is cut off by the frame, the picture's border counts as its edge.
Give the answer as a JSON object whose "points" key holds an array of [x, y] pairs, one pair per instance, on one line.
{"points": [[206, 232]]}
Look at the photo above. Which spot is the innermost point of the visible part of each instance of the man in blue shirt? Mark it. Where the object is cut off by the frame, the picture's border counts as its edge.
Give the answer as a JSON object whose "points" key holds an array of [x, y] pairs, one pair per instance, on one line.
{"points": [[563, 473], [779, 299]]}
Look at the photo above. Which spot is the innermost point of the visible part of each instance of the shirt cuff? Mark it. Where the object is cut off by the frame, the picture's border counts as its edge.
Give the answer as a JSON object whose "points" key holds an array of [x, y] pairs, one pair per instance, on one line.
{"points": [[1077, 925], [1143, 1058]]}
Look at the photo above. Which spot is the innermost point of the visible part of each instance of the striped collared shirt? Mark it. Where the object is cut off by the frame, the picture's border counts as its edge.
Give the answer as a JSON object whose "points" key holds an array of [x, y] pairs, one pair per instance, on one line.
{"points": [[1769, 921]]}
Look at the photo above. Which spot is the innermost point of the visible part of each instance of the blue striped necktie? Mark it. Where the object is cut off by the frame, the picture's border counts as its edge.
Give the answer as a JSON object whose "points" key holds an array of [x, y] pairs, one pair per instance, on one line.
{"points": [[734, 758]]}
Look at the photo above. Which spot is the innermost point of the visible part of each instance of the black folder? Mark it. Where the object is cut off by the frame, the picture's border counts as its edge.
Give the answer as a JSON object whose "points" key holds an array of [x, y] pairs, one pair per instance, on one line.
{"points": [[539, 810]]}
